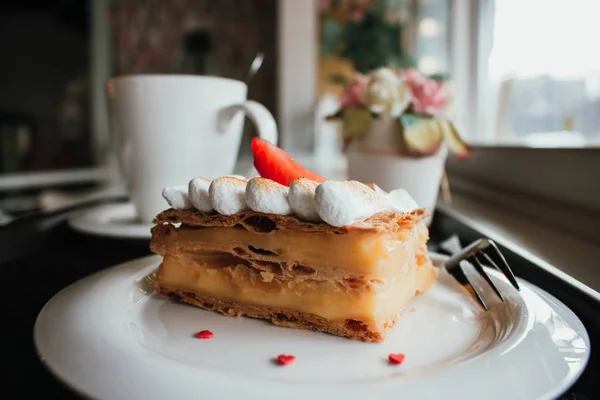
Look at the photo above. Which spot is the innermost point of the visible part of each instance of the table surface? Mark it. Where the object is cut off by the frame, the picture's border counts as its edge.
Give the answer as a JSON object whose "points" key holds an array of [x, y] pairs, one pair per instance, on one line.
{"points": [[30, 282]]}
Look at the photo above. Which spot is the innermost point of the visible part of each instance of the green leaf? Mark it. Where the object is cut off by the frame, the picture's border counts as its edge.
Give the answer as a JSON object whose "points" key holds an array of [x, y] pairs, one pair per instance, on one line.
{"points": [[408, 120], [356, 122], [332, 34], [423, 136]]}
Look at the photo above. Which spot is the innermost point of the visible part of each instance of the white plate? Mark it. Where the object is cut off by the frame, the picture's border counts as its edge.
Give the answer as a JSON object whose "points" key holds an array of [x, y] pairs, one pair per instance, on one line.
{"points": [[108, 339], [118, 220]]}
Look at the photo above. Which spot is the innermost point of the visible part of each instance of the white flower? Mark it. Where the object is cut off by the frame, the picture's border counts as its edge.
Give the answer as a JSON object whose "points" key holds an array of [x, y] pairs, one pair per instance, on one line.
{"points": [[386, 93]]}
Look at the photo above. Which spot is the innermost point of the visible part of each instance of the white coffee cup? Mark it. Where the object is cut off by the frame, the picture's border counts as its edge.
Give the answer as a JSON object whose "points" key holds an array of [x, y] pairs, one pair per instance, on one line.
{"points": [[169, 129]]}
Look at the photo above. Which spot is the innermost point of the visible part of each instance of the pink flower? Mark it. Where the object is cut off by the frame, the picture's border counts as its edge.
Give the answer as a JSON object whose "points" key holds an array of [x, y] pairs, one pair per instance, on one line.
{"points": [[428, 96], [324, 4], [354, 96], [358, 16], [392, 17]]}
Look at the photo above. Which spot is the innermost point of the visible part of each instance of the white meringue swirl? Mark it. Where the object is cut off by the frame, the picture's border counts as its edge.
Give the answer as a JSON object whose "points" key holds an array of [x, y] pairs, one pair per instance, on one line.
{"points": [[227, 195], [267, 196], [301, 197], [338, 203], [177, 197]]}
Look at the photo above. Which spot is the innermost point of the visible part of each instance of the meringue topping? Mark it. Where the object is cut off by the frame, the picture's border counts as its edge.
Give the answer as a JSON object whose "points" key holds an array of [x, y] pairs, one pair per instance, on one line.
{"points": [[177, 197], [267, 196], [227, 195], [338, 203], [341, 203], [198, 194], [301, 197], [400, 201]]}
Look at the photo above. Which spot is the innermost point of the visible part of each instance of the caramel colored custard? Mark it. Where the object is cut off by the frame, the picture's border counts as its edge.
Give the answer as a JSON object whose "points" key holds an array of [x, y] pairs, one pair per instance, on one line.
{"points": [[355, 253], [211, 275]]}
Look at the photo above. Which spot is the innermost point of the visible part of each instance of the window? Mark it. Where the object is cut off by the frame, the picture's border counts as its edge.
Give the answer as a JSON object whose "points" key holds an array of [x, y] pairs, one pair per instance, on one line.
{"points": [[526, 77], [538, 73], [431, 37], [477, 43]]}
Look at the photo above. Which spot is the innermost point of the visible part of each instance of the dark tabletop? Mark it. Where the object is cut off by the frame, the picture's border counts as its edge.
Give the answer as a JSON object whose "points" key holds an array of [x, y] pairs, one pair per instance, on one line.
{"points": [[28, 283]]}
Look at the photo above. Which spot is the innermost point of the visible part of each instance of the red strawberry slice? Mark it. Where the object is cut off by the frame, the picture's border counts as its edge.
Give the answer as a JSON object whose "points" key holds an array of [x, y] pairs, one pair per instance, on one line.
{"points": [[273, 163]]}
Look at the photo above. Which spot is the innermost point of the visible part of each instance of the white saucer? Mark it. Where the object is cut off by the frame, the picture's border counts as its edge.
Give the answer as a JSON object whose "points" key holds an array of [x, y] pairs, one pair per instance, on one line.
{"points": [[118, 220], [107, 338]]}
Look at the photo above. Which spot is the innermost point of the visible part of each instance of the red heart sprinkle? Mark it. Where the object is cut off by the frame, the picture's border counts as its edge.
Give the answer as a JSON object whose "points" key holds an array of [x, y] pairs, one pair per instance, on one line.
{"points": [[206, 334], [396, 358], [283, 359]]}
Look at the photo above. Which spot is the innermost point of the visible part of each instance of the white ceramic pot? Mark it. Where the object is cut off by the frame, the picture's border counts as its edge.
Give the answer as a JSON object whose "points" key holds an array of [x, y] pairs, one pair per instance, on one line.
{"points": [[383, 136], [421, 177]]}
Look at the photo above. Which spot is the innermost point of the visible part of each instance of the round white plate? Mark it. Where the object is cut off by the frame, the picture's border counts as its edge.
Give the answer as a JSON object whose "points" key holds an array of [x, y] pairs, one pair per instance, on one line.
{"points": [[118, 220], [107, 338]]}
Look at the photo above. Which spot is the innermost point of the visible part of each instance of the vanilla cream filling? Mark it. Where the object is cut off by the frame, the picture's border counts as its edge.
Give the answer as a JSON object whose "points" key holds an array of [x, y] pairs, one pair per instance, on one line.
{"points": [[244, 285], [356, 253]]}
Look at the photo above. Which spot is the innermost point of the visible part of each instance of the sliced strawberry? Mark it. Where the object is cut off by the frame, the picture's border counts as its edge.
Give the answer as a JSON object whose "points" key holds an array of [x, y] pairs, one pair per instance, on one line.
{"points": [[274, 163]]}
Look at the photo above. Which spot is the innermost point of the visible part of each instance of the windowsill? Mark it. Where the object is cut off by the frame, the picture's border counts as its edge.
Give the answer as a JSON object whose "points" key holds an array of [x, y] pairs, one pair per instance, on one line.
{"points": [[525, 146], [564, 176], [561, 253]]}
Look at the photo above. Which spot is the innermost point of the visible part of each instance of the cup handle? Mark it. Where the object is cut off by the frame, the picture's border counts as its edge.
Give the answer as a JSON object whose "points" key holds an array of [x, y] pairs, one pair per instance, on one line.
{"points": [[257, 113], [120, 146]]}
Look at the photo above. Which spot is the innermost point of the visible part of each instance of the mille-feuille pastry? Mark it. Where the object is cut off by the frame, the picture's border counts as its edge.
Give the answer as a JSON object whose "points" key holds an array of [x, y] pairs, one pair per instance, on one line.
{"points": [[331, 256]]}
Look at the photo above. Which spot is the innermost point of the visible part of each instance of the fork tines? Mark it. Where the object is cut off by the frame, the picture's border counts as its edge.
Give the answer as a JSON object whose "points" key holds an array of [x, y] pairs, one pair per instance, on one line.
{"points": [[477, 254]]}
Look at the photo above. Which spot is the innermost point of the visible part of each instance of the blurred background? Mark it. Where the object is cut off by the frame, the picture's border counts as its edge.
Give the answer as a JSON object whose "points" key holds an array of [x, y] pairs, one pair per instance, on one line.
{"points": [[523, 73], [520, 81]]}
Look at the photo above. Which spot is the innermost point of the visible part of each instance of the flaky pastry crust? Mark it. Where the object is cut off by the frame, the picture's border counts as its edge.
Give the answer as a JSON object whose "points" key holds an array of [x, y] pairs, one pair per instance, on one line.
{"points": [[260, 222], [353, 329]]}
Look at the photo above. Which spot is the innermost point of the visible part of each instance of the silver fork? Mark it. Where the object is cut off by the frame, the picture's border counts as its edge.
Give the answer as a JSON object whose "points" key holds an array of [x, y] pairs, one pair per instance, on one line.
{"points": [[474, 253], [146, 284]]}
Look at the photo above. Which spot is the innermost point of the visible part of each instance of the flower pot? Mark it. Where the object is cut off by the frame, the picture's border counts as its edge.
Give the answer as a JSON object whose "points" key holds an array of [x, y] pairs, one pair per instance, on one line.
{"points": [[384, 136], [421, 177]]}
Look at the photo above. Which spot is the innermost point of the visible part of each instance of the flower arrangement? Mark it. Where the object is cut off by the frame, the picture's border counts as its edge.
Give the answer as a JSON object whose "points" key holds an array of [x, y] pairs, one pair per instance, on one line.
{"points": [[369, 33], [407, 110]]}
